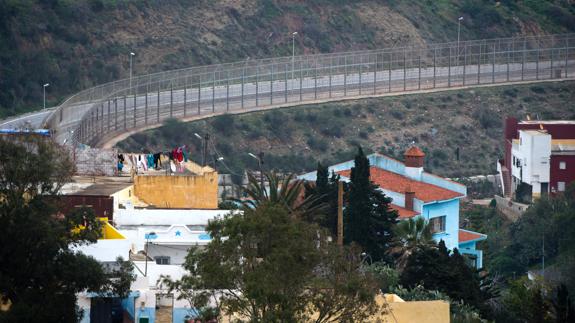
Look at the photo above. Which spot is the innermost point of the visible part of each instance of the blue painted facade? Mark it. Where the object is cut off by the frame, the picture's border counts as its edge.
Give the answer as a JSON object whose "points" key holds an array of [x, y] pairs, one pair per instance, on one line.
{"points": [[428, 210], [449, 209], [146, 312]]}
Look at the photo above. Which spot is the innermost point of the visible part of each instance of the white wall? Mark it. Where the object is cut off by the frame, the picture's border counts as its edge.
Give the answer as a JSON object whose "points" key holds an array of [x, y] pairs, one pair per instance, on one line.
{"points": [[534, 152], [124, 217]]}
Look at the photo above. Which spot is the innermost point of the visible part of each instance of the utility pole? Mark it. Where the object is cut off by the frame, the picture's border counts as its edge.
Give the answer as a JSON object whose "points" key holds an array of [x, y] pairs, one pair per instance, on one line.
{"points": [[205, 153], [340, 213], [260, 159]]}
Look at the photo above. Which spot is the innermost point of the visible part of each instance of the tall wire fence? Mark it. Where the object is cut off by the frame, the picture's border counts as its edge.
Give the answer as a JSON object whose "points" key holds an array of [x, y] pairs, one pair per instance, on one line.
{"points": [[102, 112]]}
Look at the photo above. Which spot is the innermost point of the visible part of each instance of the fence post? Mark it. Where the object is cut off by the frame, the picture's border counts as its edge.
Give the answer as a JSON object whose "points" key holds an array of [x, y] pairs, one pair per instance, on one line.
{"points": [[449, 67], [200, 94], [434, 66], [285, 83], [158, 105], [145, 108], [419, 71], [271, 84], [566, 55], [125, 114], [300, 80], [493, 65], [345, 76], [330, 61], [185, 94], [228, 91], [375, 74], [523, 59], [115, 113], [360, 70], [102, 120], [257, 83], [404, 70], [171, 99], [537, 64], [108, 116], [479, 65], [508, 53], [243, 82], [551, 62], [214, 93], [315, 80], [464, 62]]}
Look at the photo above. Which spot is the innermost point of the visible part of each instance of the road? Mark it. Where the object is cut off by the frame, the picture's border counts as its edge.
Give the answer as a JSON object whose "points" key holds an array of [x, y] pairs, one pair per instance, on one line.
{"points": [[30, 120]]}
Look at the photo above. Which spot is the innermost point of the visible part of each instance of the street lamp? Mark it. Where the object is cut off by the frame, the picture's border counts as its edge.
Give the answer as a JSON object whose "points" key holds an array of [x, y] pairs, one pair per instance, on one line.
{"points": [[44, 88], [293, 56], [364, 257], [131, 55], [458, 32], [260, 159]]}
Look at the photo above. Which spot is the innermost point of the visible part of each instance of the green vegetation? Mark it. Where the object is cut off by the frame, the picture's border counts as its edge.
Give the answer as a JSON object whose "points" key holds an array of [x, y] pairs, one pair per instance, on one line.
{"points": [[295, 139], [41, 273], [269, 264], [77, 44]]}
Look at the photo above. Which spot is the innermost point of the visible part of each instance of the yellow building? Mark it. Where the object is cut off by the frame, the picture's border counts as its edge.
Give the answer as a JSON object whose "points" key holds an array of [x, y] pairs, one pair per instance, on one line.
{"points": [[399, 311], [196, 189]]}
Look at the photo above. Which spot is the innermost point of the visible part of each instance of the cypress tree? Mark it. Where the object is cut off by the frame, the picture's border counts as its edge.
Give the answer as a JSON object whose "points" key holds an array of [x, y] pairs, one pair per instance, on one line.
{"points": [[368, 219]]}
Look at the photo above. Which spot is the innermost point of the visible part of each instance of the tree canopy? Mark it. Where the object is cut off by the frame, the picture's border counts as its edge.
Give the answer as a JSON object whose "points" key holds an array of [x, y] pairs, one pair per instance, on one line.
{"points": [[41, 273]]}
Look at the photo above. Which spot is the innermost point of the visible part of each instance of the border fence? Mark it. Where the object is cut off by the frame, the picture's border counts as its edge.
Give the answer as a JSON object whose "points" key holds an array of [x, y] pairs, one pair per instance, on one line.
{"points": [[108, 110]]}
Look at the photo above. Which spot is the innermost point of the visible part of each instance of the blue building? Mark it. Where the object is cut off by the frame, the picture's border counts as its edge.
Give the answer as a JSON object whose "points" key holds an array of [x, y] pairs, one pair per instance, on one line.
{"points": [[416, 193]]}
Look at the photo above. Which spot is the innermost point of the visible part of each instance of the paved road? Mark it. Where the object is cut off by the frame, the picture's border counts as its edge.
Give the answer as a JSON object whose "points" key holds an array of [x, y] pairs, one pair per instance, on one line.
{"points": [[30, 120], [151, 108]]}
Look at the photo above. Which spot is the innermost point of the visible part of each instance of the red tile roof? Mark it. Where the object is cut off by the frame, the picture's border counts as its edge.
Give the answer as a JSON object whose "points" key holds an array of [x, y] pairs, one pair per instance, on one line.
{"points": [[403, 212], [466, 235], [397, 183]]}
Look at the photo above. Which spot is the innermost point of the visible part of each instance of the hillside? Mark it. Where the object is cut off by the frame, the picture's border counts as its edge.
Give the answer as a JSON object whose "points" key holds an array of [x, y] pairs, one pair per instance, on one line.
{"points": [[294, 139], [74, 44]]}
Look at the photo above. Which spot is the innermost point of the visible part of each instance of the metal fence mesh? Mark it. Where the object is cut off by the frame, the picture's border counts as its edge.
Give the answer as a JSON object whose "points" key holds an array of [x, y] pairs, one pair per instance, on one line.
{"points": [[110, 109]]}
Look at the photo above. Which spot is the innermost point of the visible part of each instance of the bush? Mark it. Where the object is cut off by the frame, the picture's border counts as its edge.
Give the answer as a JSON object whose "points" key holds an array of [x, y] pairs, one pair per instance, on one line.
{"points": [[317, 144], [397, 114], [487, 119], [224, 124], [537, 89]]}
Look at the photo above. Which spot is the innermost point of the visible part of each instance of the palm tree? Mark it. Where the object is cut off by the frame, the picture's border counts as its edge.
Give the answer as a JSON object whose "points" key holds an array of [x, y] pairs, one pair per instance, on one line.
{"points": [[285, 191], [411, 235]]}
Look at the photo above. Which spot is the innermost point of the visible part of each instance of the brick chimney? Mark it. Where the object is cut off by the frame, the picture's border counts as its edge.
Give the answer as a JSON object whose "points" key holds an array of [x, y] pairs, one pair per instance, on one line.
{"points": [[409, 196], [414, 159]]}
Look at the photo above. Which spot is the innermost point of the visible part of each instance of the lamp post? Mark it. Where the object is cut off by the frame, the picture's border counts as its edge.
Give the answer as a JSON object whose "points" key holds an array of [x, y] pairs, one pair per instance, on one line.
{"points": [[131, 55], [260, 159], [44, 91], [458, 33], [293, 57], [364, 257]]}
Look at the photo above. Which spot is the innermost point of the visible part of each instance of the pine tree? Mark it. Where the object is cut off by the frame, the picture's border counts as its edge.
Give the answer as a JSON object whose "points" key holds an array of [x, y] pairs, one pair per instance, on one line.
{"points": [[368, 220]]}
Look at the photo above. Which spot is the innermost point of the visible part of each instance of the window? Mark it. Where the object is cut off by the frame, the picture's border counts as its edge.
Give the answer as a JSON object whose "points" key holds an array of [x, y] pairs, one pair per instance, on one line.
{"points": [[437, 224], [561, 186], [562, 165], [162, 260]]}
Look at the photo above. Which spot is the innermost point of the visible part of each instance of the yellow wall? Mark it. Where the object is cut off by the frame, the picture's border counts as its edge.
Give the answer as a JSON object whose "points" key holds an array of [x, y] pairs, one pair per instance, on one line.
{"points": [[127, 196], [109, 232], [185, 192], [399, 311], [392, 309]]}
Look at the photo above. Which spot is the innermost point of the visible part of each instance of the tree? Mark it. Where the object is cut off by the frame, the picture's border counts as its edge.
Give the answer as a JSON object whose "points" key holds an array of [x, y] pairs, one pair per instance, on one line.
{"points": [[286, 192], [368, 219], [410, 235], [325, 193], [265, 265], [40, 273], [436, 269]]}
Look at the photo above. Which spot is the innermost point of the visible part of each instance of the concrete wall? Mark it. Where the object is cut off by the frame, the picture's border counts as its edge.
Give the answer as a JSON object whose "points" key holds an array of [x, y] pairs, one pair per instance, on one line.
{"points": [[95, 161], [420, 312], [512, 210], [194, 192]]}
